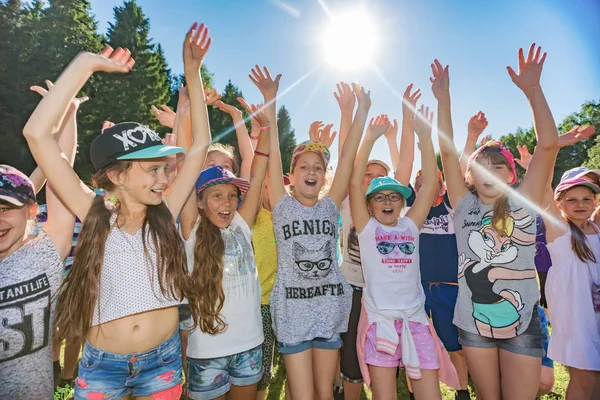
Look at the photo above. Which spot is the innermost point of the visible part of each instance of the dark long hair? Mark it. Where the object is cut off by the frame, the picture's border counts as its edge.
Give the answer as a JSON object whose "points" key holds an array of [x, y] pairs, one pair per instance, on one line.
{"points": [[80, 289]]}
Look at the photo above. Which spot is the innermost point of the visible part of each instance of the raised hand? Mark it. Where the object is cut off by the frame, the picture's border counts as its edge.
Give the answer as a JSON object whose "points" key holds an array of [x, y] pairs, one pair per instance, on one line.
{"points": [[440, 82], [75, 103], [318, 132], [576, 134], [264, 82], [166, 116], [477, 125], [525, 155], [256, 112], [423, 122], [391, 133], [313, 130], [212, 96], [228, 108], [195, 46], [409, 101], [529, 70], [363, 97], [484, 140], [110, 60], [106, 125], [377, 127], [345, 97]]}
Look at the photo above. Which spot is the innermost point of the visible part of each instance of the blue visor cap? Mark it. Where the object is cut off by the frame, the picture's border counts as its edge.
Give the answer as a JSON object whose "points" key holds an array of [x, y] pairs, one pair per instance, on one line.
{"points": [[388, 183]]}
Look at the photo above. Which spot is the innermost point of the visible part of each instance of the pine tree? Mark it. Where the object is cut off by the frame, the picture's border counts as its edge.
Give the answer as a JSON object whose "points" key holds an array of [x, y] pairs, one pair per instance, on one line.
{"points": [[129, 97], [287, 138]]}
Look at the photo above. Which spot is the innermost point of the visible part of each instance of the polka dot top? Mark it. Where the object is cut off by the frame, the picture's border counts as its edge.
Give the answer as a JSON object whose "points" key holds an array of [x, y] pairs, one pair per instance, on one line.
{"points": [[128, 282]]}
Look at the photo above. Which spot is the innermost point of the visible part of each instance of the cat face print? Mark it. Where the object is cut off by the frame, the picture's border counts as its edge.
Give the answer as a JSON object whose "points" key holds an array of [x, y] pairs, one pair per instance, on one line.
{"points": [[313, 264]]}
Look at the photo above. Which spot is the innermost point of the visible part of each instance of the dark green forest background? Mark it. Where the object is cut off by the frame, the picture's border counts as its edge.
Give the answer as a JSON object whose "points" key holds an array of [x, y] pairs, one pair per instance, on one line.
{"points": [[39, 39]]}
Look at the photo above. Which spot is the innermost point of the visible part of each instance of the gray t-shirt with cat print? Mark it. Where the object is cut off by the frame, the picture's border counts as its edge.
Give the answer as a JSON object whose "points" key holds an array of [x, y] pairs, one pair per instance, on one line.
{"points": [[497, 286], [310, 299]]}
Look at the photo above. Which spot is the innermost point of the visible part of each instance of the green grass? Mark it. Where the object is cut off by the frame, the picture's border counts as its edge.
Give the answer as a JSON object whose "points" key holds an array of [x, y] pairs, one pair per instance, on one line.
{"points": [[276, 390]]}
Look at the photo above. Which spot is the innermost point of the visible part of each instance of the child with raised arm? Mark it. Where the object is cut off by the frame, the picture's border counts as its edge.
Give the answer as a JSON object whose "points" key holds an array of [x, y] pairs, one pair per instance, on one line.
{"points": [[438, 255], [224, 353], [351, 264], [31, 271], [496, 310], [130, 258], [311, 301], [394, 328]]}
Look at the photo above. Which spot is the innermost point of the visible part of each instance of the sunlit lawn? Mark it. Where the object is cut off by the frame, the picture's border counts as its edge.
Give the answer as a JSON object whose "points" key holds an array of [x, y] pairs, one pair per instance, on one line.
{"points": [[276, 390]]}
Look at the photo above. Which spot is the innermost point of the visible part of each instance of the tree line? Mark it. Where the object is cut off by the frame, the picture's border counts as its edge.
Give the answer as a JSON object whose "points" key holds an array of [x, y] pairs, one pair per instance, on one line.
{"points": [[39, 39]]}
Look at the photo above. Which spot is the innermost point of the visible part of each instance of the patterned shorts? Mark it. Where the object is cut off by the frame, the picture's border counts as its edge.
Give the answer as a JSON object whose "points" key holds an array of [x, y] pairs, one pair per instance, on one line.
{"points": [[268, 347], [211, 378]]}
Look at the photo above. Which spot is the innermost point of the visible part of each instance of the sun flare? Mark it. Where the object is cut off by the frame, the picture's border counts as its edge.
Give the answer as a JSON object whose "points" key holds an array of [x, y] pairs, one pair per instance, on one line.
{"points": [[350, 40]]}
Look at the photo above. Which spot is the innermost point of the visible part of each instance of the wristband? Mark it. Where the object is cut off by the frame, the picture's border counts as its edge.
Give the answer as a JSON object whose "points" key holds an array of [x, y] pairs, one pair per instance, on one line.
{"points": [[258, 153], [265, 128], [253, 137]]}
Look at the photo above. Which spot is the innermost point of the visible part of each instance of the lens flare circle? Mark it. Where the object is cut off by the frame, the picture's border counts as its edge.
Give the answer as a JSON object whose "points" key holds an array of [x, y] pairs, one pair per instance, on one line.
{"points": [[350, 41]]}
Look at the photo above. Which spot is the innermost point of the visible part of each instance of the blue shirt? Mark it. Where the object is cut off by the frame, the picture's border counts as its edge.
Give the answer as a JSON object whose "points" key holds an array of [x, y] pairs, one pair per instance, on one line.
{"points": [[437, 244]]}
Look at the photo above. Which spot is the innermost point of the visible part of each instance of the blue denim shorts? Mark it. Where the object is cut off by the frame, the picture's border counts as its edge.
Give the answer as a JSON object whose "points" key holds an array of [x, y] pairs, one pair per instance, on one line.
{"points": [[141, 374], [529, 343], [335, 342], [212, 377]]}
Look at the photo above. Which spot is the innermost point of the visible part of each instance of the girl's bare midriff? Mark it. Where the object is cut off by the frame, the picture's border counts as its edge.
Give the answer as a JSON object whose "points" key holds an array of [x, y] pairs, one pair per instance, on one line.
{"points": [[135, 333]]}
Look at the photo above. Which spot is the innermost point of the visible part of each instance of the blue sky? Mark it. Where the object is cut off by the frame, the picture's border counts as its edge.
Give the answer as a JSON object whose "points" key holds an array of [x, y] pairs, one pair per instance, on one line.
{"points": [[477, 38]]}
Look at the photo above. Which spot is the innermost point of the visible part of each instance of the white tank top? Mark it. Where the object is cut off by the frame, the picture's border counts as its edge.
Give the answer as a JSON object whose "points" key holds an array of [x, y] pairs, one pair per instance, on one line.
{"points": [[128, 281]]}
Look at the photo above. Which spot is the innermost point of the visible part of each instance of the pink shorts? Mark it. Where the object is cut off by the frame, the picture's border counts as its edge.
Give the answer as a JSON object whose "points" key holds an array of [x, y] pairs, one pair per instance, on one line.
{"points": [[423, 341]]}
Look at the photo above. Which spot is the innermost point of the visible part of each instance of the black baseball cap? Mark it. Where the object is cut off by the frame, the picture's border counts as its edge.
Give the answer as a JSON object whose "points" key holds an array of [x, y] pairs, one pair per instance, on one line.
{"points": [[128, 141]]}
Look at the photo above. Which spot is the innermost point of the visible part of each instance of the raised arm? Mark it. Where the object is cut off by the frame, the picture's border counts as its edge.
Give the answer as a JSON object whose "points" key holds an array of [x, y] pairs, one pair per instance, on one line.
{"points": [[346, 101], [165, 115], [45, 122], [422, 204], [195, 46], [243, 140], [406, 156], [343, 171], [358, 205], [475, 128], [61, 220], [251, 203], [269, 87], [391, 135], [455, 180], [68, 126], [254, 127], [542, 164]]}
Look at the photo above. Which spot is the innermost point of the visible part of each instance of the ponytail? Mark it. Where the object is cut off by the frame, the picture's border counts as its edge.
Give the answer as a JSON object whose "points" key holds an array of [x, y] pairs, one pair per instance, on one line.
{"points": [[501, 214]]}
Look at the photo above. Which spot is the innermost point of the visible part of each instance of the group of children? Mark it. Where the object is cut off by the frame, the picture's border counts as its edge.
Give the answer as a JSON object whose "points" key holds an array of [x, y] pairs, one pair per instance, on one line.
{"points": [[182, 266]]}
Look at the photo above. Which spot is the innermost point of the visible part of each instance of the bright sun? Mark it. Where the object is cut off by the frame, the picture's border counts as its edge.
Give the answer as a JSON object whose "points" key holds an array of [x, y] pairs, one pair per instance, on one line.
{"points": [[350, 41]]}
